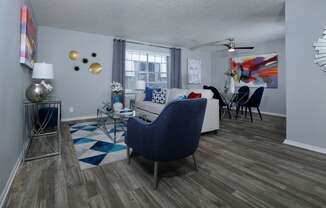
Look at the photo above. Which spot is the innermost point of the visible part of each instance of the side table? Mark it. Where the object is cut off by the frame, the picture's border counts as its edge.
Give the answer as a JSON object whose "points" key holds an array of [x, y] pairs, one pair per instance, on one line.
{"points": [[42, 127]]}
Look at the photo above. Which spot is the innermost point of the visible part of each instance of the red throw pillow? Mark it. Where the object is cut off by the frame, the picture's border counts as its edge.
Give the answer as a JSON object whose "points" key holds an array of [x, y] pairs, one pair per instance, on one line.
{"points": [[194, 95]]}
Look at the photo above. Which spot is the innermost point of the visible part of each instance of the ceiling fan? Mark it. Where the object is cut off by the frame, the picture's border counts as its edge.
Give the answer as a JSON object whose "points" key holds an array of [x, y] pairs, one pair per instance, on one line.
{"points": [[228, 43]]}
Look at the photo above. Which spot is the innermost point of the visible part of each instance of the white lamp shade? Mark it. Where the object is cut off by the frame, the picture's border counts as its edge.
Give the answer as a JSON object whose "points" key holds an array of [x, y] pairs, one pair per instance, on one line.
{"points": [[43, 71], [140, 85]]}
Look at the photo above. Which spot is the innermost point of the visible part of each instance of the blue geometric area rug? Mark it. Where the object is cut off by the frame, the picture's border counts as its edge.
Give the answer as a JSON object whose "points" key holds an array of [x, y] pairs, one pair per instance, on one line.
{"points": [[94, 147]]}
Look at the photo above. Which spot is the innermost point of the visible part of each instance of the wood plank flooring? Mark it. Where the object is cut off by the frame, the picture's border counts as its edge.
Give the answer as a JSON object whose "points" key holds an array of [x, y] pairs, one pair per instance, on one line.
{"points": [[244, 165]]}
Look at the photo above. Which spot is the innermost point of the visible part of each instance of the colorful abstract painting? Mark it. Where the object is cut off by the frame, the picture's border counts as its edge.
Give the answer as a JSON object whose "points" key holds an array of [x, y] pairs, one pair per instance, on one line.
{"points": [[27, 38], [255, 71]]}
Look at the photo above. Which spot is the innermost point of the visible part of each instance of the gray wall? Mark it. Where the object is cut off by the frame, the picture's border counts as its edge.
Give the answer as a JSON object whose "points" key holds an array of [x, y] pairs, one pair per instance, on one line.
{"points": [[274, 100], [13, 81], [82, 90], [305, 83]]}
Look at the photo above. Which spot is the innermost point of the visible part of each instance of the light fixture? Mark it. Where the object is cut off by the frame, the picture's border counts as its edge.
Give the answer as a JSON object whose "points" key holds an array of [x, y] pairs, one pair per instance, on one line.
{"points": [[231, 50], [232, 45]]}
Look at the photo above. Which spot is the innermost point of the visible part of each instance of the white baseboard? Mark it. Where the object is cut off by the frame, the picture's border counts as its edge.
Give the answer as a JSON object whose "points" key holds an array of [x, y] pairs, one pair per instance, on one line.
{"points": [[78, 118], [305, 146], [271, 114], [13, 173], [266, 113]]}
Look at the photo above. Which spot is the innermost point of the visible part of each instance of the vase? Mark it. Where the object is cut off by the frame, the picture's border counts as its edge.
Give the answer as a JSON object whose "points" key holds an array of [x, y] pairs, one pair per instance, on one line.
{"points": [[117, 101], [231, 86], [117, 107]]}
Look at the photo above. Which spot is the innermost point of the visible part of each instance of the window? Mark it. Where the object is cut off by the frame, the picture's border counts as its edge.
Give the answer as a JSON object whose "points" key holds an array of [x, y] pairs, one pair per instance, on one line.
{"points": [[148, 66]]}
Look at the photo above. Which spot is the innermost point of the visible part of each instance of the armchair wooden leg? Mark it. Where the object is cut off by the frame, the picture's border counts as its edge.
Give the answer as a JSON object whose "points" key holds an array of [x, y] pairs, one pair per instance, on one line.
{"points": [[128, 154], [156, 174], [195, 161], [246, 112]]}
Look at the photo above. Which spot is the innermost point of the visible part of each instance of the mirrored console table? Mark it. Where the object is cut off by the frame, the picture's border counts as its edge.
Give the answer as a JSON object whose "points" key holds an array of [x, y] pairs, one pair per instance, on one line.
{"points": [[42, 129]]}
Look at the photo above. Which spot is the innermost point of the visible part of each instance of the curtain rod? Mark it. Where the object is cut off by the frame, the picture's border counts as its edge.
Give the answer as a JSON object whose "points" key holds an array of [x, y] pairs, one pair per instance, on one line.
{"points": [[147, 44]]}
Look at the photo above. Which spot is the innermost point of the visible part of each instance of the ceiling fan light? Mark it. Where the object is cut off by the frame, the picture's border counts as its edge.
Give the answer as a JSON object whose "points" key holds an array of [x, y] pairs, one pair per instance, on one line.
{"points": [[231, 50]]}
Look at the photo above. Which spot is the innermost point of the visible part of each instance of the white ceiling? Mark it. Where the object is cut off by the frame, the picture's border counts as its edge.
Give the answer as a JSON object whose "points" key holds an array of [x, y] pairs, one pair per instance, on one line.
{"points": [[182, 23]]}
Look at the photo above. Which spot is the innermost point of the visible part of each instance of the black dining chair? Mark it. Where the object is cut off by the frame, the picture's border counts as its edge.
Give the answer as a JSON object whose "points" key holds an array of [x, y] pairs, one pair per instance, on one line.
{"points": [[222, 101], [241, 96], [253, 102]]}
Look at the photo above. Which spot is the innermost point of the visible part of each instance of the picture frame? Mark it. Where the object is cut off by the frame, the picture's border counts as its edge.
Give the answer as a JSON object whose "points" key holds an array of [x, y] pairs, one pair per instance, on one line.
{"points": [[194, 71], [255, 70], [28, 41]]}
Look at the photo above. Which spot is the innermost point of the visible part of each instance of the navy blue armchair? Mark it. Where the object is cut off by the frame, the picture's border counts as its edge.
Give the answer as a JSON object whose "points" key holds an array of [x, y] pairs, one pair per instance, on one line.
{"points": [[173, 135]]}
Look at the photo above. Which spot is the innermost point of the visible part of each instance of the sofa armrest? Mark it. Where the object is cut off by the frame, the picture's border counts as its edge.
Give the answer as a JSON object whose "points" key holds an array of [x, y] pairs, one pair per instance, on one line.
{"points": [[211, 119]]}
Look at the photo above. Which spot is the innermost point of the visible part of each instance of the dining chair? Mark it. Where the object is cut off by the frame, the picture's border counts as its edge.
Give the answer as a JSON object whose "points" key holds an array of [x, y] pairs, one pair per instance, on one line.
{"points": [[253, 102], [222, 101], [241, 96]]}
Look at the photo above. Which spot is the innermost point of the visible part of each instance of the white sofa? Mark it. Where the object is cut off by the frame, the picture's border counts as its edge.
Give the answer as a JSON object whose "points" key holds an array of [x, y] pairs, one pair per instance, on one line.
{"points": [[150, 111]]}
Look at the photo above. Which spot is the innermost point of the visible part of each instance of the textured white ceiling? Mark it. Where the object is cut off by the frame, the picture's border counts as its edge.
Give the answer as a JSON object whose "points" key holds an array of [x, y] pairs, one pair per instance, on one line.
{"points": [[182, 23]]}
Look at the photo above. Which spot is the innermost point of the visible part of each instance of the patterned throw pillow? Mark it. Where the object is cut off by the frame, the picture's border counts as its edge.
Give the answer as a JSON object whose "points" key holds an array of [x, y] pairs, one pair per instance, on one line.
{"points": [[159, 96]]}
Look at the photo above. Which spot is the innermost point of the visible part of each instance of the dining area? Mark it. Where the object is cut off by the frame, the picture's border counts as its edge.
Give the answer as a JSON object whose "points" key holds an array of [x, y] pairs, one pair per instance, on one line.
{"points": [[238, 103]]}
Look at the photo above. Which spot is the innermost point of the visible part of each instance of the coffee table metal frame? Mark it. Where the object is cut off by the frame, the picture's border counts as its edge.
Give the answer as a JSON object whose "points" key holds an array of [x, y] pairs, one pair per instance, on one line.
{"points": [[104, 117]]}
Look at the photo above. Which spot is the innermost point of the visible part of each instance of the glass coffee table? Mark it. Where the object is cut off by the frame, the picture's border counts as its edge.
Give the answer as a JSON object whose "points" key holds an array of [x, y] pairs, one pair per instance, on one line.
{"points": [[119, 119]]}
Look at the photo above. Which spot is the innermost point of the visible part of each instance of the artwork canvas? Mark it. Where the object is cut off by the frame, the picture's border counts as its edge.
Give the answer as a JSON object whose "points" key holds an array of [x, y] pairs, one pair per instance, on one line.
{"points": [[194, 71], [255, 71], [27, 38]]}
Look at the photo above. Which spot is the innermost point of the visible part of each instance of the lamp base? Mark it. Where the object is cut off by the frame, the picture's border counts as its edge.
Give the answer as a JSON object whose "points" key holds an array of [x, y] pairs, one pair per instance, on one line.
{"points": [[35, 93], [48, 87]]}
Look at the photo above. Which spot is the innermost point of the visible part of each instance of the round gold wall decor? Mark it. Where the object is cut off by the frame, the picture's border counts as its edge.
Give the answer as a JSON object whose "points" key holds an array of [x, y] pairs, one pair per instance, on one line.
{"points": [[95, 68], [74, 55]]}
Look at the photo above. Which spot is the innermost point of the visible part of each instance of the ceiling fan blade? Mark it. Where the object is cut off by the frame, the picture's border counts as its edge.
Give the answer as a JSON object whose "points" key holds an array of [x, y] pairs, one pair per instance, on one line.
{"points": [[215, 43], [249, 48]]}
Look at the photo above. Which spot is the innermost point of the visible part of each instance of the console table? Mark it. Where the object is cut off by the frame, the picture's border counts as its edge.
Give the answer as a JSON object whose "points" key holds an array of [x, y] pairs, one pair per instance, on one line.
{"points": [[42, 128]]}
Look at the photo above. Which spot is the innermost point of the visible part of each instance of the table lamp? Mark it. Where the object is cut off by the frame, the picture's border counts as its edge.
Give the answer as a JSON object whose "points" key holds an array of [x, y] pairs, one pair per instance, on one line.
{"points": [[36, 92], [44, 71]]}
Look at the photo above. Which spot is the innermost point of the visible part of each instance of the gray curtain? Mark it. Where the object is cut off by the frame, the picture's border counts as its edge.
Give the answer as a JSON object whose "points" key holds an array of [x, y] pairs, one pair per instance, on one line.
{"points": [[175, 68], [118, 62]]}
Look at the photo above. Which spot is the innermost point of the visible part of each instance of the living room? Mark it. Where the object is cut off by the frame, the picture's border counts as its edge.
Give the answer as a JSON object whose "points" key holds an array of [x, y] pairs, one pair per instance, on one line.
{"points": [[147, 109]]}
